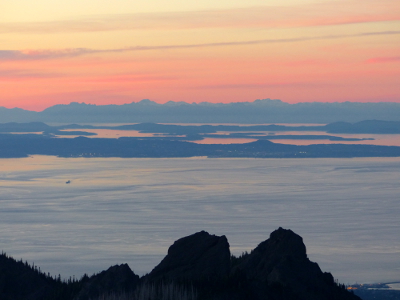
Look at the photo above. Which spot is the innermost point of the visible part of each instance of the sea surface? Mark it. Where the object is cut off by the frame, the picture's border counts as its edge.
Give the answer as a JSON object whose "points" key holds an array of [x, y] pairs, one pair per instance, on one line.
{"points": [[118, 210]]}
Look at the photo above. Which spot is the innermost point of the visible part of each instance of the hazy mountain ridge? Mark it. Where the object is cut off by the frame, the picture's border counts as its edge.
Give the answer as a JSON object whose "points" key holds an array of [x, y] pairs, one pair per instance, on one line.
{"points": [[278, 269], [256, 112]]}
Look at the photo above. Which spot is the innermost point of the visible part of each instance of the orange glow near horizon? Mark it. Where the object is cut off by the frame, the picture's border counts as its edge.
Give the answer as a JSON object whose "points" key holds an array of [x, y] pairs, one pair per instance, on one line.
{"points": [[327, 51]]}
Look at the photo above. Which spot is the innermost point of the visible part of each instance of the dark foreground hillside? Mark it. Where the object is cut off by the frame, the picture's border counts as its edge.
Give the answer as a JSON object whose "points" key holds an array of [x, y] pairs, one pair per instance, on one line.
{"points": [[199, 267]]}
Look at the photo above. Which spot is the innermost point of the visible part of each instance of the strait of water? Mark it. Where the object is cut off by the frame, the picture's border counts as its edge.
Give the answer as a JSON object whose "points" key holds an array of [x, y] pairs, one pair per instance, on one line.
{"points": [[131, 210]]}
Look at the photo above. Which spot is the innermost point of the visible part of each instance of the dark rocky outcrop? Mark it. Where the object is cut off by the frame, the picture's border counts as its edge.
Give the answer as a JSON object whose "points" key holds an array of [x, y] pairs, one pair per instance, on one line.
{"points": [[277, 269], [199, 267], [280, 269], [116, 280], [197, 257]]}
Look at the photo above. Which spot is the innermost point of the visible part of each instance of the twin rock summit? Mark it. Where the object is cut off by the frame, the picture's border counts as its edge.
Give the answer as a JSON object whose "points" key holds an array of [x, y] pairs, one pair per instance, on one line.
{"points": [[200, 266]]}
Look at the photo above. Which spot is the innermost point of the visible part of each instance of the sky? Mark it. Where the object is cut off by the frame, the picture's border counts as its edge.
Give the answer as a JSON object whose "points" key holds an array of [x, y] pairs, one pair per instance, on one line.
{"points": [[123, 51]]}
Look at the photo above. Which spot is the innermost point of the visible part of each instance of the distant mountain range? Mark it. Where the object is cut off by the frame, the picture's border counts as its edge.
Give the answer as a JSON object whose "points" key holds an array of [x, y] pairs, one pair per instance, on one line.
{"points": [[256, 112]]}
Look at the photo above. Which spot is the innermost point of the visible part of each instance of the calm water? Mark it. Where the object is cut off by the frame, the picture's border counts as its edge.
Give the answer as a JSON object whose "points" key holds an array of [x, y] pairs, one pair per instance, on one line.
{"points": [[131, 210]]}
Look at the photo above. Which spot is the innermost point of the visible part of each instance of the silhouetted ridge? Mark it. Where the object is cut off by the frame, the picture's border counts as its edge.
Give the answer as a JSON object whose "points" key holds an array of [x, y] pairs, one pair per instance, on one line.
{"points": [[18, 280], [197, 267]]}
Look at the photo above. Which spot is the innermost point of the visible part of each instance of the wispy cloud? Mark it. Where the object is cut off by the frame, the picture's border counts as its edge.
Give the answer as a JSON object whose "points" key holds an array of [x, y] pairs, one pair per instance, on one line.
{"points": [[128, 78], [41, 54], [377, 60], [321, 14], [262, 85], [14, 74], [11, 55]]}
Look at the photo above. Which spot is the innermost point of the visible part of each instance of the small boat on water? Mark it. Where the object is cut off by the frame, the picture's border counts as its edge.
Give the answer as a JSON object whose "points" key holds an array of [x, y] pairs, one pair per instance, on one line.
{"points": [[68, 182]]}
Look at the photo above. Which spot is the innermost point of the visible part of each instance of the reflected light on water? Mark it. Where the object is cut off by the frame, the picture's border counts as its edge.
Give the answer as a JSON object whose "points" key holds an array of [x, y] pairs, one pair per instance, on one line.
{"points": [[119, 210], [109, 133], [224, 141]]}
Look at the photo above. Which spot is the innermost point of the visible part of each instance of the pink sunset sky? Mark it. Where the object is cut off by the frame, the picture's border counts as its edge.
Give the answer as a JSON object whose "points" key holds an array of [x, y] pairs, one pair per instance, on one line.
{"points": [[115, 52]]}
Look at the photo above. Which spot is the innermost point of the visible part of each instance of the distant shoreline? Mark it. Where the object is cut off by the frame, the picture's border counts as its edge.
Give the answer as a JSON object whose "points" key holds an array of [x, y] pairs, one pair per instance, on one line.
{"points": [[160, 140], [20, 146]]}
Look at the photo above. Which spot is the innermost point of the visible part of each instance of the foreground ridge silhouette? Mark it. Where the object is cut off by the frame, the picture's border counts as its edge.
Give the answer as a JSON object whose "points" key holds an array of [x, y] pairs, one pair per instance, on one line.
{"points": [[199, 266]]}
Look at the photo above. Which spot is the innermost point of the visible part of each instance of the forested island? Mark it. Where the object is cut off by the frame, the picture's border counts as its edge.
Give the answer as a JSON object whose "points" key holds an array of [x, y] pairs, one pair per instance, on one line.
{"points": [[25, 139]]}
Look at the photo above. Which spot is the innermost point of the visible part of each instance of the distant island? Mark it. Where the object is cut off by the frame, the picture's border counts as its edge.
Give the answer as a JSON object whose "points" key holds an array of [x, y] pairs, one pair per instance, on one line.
{"points": [[197, 267], [256, 112], [37, 138], [365, 126]]}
